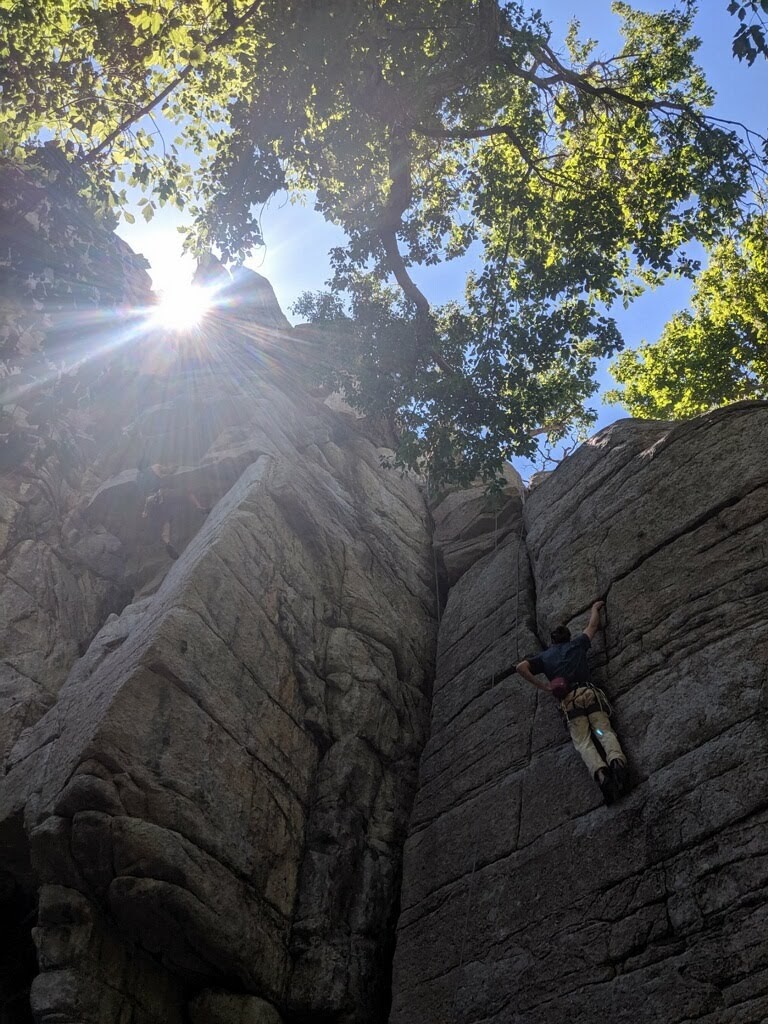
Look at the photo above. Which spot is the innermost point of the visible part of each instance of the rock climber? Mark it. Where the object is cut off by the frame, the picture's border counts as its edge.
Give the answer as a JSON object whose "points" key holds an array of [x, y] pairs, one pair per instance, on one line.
{"points": [[165, 502], [585, 706]]}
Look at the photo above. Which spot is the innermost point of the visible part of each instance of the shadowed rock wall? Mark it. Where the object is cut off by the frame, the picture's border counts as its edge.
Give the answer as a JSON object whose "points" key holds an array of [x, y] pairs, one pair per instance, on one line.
{"points": [[525, 900]]}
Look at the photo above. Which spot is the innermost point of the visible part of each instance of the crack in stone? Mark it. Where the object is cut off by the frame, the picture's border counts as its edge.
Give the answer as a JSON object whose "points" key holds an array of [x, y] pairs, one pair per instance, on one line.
{"points": [[691, 527]]}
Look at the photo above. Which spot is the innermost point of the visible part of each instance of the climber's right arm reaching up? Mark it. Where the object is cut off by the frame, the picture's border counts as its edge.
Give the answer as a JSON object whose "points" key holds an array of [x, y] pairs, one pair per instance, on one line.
{"points": [[594, 619]]}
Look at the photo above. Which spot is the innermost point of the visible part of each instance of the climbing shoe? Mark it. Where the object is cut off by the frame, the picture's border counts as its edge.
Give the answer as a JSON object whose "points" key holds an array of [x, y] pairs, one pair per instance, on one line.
{"points": [[605, 781], [620, 774], [171, 551]]}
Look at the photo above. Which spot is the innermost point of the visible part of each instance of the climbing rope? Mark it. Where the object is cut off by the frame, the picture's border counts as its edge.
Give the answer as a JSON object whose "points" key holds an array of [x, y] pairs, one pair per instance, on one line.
{"points": [[609, 707], [605, 642], [605, 627]]}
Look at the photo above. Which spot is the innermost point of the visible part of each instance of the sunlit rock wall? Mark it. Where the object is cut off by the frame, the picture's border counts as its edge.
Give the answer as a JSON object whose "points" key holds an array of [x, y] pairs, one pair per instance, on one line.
{"points": [[68, 287], [216, 686], [525, 899]]}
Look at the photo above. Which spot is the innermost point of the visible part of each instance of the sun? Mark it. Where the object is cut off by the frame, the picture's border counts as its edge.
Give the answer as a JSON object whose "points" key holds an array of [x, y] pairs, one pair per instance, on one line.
{"points": [[181, 308]]}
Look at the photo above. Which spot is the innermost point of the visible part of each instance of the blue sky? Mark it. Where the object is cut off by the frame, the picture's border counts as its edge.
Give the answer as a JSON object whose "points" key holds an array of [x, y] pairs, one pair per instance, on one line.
{"points": [[298, 240]]}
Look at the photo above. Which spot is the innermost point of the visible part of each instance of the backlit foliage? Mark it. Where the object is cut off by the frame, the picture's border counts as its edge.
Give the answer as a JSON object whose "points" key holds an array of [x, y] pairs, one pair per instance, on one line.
{"points": [[428, 130]]}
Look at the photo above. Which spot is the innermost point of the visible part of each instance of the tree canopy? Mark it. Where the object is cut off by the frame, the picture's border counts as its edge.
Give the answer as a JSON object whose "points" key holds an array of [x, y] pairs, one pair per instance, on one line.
{"points": [[715, 352], [751, 38], [428, 130]]}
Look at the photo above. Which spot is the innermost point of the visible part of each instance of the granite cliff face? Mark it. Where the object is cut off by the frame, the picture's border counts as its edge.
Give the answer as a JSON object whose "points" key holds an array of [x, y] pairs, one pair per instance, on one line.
{"points": [[524, 899], [220, 675], [209, 759]]}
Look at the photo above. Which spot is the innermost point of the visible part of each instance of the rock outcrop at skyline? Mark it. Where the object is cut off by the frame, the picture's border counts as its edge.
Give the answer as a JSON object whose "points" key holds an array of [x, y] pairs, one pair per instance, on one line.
{"points": [[224, 694]]}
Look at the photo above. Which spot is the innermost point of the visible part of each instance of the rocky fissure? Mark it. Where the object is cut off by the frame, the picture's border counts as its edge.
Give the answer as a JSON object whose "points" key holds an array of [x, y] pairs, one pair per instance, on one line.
{"points": [[247, 774]]}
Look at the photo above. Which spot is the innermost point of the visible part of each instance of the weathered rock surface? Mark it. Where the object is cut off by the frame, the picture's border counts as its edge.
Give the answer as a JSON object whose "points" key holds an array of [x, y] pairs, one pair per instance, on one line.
{"points": [[242, 294], [61, 273], [524, 899], [469, 523], [225, 1008], [219, 625], [226, 774], [217, 611]]}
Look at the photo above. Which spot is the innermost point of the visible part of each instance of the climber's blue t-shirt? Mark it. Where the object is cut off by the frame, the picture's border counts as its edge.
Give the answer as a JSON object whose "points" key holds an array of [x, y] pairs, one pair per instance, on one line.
{"points": [[568, 660]]}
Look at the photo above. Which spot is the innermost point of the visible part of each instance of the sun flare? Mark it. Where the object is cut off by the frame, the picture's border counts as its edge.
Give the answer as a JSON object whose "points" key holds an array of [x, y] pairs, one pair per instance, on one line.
{"points": [[181, 308]]}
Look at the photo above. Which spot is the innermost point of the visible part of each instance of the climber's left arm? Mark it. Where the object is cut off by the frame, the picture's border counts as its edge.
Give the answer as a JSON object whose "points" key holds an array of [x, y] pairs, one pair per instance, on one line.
{"points": [[524, 670]]}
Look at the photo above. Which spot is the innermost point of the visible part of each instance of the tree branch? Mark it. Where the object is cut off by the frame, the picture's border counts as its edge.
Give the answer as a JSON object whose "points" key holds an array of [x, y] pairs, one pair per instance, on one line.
{"points": [[449, 134], [426, 328], [581, 83], [398, 201], [223, 37], [91, 155]]}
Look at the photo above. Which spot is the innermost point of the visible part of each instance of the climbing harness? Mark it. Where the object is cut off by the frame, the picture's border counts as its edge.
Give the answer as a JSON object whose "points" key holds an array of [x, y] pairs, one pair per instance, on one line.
{"points": [[599, 703]]}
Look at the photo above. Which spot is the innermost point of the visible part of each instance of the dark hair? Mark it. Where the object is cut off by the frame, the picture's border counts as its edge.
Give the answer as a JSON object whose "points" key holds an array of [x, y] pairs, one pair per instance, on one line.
{"points": [[561, 635]]}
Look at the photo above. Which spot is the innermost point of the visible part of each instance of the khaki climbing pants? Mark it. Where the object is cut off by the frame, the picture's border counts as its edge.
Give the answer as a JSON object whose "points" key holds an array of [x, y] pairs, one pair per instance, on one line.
{"points": [[586, 718]]}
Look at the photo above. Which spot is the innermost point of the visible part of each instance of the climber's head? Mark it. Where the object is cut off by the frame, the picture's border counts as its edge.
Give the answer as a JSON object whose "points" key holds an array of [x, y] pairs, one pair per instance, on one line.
{"points": [[561, 635]]}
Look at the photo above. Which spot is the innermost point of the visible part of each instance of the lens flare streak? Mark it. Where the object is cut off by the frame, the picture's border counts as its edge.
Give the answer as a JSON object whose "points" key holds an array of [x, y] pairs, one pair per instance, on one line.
{"points": [[182, 308]]}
